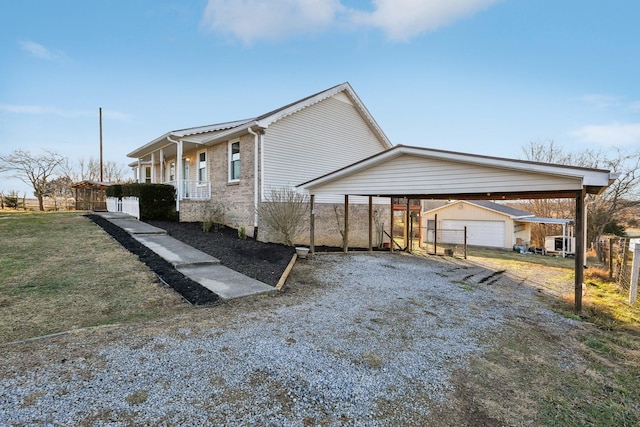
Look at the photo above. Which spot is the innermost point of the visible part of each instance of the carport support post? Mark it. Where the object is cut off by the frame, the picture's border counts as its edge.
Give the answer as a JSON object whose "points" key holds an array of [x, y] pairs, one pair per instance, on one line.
{"points": [[345, 243], [370, 224], [580, 238], [312, 224], [407, 240], [391, 228]]}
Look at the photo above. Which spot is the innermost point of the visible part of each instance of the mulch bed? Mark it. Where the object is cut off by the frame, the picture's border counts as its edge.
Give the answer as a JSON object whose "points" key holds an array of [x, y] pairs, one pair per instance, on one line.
{"points": [[262, 261], [191, 291]]}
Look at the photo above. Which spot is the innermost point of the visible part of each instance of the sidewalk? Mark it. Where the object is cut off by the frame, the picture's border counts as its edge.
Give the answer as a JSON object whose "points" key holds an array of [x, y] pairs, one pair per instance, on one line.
{"points": [[193, 263]]}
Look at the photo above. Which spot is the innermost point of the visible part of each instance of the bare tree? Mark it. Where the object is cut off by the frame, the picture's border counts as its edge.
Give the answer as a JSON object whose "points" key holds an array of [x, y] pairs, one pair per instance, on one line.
{"points": [[623, 193], [285, 212], [32, 169], [89, 170]]}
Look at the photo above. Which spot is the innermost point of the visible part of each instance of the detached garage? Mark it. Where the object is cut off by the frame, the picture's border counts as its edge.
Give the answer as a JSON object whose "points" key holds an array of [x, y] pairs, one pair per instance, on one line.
{"points": [[488, 224]]}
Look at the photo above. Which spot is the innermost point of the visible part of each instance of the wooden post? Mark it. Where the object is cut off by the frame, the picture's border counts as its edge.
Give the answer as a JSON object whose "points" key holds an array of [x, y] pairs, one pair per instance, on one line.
{"points": [[580, 246], [391, 228], [435, 234], [465, 242], [370, 224], [635, 270], [610, 259], [345, 243], [407, 219], [312, 224]]}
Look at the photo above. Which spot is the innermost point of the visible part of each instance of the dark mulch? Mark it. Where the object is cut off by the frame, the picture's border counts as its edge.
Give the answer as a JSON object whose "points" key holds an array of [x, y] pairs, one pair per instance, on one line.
{"points": [[191, 291], [263, 261]]}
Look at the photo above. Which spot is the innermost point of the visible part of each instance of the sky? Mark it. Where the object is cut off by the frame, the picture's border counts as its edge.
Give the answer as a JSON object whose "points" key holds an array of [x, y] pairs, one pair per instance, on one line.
{"points": [[478, 76]]}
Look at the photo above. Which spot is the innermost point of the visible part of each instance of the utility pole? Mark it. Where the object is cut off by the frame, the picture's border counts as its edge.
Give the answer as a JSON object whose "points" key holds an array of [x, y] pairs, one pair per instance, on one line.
{"points": [[101, 168]]}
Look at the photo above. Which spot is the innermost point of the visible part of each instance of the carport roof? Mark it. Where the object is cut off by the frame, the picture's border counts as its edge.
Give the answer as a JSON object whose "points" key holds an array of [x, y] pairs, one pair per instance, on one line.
{"points": [[426, 173]]}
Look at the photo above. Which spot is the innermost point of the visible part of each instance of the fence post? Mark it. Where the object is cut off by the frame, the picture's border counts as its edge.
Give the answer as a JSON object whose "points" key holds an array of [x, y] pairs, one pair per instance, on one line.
{"points": [[635, 270], [465, 242], [610, 259]]}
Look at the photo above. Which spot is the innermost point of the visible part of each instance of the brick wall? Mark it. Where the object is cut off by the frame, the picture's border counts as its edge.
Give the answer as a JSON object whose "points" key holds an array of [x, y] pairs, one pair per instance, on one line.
{"points": [[235, 197]]}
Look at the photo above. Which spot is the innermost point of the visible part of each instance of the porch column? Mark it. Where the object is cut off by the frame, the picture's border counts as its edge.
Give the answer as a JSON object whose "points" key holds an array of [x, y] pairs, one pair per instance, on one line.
{"points": [[370, 224], [162, 165], [153, 167], [312, 222], [345, 244], [179, 174], [580, 245]]}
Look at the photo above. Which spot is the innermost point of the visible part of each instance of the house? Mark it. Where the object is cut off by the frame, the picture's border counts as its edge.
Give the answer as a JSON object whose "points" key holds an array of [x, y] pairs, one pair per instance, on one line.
{"points": [[488, 224], [236, 164]]}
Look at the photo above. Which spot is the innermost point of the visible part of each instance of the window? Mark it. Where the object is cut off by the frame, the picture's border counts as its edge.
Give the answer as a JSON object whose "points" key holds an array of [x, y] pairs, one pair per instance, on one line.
{"points": [[234, 161], [202, 166], [147, 174], [172, 171]]}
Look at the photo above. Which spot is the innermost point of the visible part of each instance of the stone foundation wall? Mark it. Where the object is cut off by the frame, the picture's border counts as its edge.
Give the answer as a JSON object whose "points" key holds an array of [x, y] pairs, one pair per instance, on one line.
{"points": [[328, 226]]}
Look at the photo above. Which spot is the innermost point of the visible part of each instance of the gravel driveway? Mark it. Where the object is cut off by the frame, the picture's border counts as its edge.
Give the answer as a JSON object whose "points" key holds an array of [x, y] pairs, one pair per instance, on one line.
{"points": [[354, 340]]}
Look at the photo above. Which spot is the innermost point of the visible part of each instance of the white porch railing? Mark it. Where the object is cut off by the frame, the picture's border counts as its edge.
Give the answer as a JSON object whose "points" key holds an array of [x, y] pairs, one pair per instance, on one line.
{"points": [[128, 205], [194, 190]]}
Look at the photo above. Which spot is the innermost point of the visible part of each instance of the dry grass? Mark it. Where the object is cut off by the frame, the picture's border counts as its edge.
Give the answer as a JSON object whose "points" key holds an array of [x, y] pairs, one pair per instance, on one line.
{"points": [[59, 271], [532, 377]]}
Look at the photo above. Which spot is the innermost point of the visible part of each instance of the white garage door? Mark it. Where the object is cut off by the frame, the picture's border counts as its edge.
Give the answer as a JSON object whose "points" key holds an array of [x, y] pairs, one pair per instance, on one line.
{"points": [[479, 233]]}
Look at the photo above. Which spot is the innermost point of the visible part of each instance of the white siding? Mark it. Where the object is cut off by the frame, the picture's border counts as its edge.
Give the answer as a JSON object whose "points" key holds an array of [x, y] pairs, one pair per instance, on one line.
{"points": [[409, 174], [315, 141]]}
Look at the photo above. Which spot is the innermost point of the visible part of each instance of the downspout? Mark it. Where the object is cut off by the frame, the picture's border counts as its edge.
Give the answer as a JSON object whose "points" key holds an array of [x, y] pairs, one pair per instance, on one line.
{"points": [[255, 182], [178, 172]]}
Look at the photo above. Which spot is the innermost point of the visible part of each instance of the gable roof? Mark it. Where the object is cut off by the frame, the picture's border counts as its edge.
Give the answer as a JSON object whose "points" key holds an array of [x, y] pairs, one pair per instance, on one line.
{"points": [[429, 173], [223, 131], [512, 213]]}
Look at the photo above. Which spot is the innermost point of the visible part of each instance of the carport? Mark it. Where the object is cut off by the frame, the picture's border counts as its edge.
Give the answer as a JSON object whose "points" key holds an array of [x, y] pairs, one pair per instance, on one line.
{"points": [[423, 173]]}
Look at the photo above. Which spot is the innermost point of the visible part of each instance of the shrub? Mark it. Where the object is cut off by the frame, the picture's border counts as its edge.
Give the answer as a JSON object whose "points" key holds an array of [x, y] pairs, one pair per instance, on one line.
{"points": [[242, 233], [157, 201], [214, 217], [285, 212]]}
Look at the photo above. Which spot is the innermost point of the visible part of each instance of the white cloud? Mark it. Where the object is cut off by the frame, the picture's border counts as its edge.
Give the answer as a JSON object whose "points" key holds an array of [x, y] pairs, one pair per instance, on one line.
{"points": [[599, 100], [39, 51], [403, 19], [253, 19], [614, 135], [249, 20], [67, 114]]}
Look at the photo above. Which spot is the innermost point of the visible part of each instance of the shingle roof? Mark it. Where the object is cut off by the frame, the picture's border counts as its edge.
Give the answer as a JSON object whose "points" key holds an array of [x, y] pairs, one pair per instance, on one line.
{"points": [[512, 212], [486, 204]]}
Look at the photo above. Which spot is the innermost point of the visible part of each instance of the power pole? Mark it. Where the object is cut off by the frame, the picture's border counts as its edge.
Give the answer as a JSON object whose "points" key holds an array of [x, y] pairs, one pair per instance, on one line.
{"points": [[101, 168]]}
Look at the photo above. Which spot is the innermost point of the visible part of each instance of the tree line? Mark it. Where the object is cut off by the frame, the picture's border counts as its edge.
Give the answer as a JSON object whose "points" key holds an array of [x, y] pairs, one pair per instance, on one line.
{"points": [[50, 174], [607, 213]]}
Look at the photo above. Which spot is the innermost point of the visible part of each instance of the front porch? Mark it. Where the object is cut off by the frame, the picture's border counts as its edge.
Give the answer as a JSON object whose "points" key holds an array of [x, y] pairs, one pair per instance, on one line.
{"points": [[192, 190]]}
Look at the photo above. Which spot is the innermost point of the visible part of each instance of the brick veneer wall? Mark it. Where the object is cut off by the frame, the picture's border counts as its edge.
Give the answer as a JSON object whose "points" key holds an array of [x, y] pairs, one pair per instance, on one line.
{"points": [[237, 198]]}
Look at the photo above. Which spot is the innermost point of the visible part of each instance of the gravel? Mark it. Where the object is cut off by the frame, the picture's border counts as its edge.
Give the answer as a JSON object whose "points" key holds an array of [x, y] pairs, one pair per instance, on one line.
{"points": [[356, 339]]}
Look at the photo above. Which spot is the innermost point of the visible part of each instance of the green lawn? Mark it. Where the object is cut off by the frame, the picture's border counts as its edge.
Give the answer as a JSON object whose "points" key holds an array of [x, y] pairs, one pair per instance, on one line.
{"points": [[59, 271]]}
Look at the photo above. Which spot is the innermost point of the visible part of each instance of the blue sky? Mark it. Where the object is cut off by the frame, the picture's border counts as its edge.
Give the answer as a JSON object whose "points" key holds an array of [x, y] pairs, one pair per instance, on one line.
{"points": [[477, 76]]}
